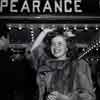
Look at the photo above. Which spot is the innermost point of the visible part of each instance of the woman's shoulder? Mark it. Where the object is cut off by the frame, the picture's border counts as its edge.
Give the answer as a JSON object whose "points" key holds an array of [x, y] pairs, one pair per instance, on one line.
{"points": [[80, 62], [82, 65], [83, 62]]}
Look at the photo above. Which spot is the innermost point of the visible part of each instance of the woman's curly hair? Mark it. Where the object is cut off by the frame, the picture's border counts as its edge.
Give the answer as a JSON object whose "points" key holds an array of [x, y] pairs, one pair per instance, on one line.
{"points": [[59, 31]]}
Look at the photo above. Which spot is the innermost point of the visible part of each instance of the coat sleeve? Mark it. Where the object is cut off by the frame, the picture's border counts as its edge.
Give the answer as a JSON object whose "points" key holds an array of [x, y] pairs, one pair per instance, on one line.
{"points": [[83, 86], [38, 57]]}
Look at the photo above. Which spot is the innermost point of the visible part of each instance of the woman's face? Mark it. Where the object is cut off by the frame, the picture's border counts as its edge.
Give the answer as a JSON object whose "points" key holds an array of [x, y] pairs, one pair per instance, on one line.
{"points": [[58, 46]]}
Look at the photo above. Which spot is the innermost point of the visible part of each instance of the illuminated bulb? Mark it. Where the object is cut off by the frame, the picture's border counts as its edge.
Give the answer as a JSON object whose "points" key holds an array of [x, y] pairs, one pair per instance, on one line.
{"points": [[92, 59], [32, 31], [53, 26], [97, 44], [9, 28], [31, 28], [86, 28], [64, 27], [32, 35], [97, 28], [75, 28], [96, 49], [32, 40], [89, 50], [97, 59], [42, 27], [20, 27], [12, 49], [94, 46]]}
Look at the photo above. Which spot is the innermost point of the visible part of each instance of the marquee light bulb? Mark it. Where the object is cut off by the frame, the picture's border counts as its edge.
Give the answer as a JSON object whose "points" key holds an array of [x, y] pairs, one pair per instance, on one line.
{"points": [[32, 31], [86, 28], [9, 28], [75, 27], [97, 28], [20, 28], [96, 49]]}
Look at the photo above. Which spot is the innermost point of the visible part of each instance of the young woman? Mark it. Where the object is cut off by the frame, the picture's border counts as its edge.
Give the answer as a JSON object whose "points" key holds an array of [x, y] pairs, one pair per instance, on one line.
{"points": [[58, 77]]}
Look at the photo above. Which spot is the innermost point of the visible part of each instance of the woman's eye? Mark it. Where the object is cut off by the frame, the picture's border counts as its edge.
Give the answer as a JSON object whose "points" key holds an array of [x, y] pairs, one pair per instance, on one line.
{"points": [[42, 73], [59, 44]]}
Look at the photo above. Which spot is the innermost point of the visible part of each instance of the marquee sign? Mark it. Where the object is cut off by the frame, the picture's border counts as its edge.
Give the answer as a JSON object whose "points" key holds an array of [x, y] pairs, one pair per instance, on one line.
{"points": [[40, 10], [59, 7], [40, 6]]}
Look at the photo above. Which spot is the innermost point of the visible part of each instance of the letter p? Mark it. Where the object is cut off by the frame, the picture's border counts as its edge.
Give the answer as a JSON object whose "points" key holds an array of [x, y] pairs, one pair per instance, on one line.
{"points": [[3, 3]]}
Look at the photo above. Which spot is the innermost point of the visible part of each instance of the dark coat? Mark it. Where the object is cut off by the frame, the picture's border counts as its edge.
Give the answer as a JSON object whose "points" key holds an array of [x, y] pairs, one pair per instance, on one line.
{"points": [[71, 78]]}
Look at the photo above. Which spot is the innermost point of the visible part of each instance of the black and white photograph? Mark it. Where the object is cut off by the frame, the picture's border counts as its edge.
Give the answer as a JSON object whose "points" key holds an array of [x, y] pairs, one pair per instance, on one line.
{"points": [[49, 49]]}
